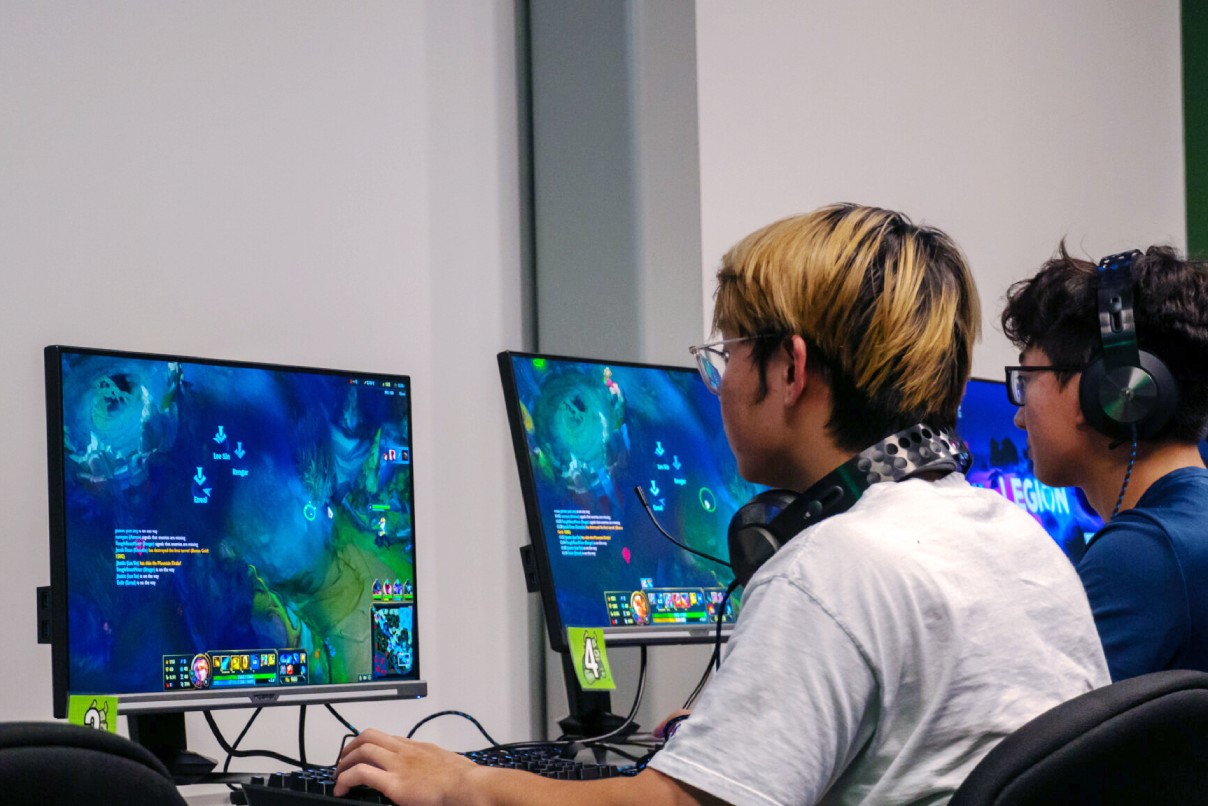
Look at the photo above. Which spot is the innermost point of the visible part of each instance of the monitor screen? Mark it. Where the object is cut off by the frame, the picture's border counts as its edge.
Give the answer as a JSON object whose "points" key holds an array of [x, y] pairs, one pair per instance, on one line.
{"points": [[1001, 462], [586, 432], [226, 533]]}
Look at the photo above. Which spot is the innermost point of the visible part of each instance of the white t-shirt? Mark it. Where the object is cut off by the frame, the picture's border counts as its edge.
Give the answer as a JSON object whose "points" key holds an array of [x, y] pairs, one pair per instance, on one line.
{"points": [[883, 652]]}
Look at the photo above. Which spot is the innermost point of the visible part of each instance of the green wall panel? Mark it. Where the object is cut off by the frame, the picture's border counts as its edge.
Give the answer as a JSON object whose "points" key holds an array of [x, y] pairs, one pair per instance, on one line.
{"points": [[1195, 122]]}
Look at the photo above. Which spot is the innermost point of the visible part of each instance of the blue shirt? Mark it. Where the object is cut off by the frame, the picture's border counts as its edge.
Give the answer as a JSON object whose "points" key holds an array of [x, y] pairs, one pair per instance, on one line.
{"points": [[1146, 576]]}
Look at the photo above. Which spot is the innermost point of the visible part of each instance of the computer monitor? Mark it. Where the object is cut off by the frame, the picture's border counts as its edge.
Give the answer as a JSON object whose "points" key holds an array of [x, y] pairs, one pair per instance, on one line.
{"points": [[586, 432], [227, 534], [1001, 462]]}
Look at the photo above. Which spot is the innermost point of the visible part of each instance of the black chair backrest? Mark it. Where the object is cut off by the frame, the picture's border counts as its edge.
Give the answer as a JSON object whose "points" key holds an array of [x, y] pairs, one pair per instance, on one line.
{"points": [[1139, 741], [54, 762]]}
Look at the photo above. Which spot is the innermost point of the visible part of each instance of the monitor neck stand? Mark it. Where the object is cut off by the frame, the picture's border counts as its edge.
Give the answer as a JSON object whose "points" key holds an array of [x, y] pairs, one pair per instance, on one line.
{"points": [[590, 711], [164, 736]]}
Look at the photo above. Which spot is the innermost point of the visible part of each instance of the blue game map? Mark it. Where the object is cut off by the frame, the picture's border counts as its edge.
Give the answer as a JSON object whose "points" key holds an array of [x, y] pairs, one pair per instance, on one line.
{"points": [[592, 432], [234, 525]]}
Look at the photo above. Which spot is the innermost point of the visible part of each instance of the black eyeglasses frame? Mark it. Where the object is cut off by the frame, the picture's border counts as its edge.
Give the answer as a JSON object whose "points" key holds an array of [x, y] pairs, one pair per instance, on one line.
{"points": [[1015, 393]]}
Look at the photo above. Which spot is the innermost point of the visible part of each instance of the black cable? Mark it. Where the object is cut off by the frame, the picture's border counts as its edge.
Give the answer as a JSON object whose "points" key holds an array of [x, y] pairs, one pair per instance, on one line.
{"points": [[633, 711], [700, 686], [657, 525], [591, 740], [715, 658], [226, 765], [343, 741], [1132, 458], [477, 724], [222, 742], [721, 612], [341, 719], [302, 735], [232, 749]]}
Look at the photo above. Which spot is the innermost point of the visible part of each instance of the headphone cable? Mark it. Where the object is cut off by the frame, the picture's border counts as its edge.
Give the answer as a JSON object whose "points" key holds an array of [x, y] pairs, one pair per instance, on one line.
{"points": [[642, 497], [1132, 458], [715, 658]]}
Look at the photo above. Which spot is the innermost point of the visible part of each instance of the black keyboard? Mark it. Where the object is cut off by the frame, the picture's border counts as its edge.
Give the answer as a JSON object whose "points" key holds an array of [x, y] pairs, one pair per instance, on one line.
{"points": [[315, 786]]}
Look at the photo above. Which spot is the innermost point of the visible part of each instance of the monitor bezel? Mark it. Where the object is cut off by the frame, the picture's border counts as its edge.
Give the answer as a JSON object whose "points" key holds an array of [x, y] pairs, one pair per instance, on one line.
{"points": [[614, 636], [180, 701]]}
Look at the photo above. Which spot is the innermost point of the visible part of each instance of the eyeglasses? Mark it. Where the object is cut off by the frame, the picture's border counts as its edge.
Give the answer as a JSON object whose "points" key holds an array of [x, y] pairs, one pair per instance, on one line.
{"points": [[711, 360], [1017, 383]]}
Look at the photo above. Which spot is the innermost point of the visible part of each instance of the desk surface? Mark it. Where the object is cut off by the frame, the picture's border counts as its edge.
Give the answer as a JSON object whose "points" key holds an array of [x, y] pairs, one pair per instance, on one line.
{"points": [[206, 794]]}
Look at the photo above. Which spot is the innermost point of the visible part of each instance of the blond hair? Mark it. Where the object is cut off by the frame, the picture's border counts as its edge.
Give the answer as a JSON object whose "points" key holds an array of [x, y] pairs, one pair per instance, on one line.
{"points": [[888, 307]]}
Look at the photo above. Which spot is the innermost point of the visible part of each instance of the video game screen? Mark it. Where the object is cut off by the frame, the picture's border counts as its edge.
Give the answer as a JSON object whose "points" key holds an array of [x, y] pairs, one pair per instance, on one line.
{"points": [[1001, 462], [230, 525], [586, 433]]}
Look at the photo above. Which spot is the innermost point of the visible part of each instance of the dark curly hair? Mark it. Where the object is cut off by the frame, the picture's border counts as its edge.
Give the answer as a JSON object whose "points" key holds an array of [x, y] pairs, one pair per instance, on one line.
{"points": [[1057, 312]]}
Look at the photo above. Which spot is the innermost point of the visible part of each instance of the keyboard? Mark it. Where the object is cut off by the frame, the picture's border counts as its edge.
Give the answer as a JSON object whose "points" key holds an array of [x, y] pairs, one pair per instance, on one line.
{"points": [[315, 786]]}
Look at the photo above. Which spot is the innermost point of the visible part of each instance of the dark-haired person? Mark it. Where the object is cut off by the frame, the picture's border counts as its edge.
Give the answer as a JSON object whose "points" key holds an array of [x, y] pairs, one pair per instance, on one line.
{"points": [[1146, 570], [886, 649]]}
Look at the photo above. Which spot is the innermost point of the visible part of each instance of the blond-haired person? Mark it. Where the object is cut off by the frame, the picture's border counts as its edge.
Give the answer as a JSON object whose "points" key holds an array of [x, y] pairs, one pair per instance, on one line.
{"points": [[885, 650]]}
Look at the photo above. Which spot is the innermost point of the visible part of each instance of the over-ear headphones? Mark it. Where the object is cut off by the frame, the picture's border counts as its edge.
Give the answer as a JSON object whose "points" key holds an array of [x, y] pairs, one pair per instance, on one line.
{"points": [[769, 520], [1123, 387]]}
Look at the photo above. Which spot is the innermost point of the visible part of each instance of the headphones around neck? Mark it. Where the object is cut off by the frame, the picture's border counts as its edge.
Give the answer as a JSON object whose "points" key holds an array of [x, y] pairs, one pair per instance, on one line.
{"points": [[1125, 392], [764, 524]]}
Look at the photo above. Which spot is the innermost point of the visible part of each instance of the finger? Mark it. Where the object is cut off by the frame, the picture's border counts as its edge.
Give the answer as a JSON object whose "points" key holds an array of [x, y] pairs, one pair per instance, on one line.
{"points": [[371, 737], [375, 749], [374, 736], [368, 753], [365, 775]]}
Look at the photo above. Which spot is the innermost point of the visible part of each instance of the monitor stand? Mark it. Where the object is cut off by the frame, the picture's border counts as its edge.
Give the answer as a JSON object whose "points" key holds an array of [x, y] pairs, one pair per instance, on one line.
{"points": [[590, 711], [164, 736]]}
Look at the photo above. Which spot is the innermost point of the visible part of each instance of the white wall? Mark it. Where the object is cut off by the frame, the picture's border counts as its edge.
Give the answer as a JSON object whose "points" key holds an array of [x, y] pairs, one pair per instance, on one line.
{"points": [[1009, 125], [337, 185], [299, 182]]}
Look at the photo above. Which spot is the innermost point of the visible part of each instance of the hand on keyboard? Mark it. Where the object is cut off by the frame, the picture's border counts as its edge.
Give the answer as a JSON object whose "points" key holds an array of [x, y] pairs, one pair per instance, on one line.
{"points": [[405, 771], [412, 772]]}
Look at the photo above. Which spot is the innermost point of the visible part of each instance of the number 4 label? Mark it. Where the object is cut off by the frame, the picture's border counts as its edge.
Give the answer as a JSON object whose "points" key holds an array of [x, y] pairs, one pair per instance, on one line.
{"points": [[590, 657]]}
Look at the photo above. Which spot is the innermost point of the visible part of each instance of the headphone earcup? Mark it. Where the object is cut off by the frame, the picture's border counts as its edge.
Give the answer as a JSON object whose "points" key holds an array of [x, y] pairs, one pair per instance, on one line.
{"points": [[1167, 401], [1116, 400], [751, 541]]}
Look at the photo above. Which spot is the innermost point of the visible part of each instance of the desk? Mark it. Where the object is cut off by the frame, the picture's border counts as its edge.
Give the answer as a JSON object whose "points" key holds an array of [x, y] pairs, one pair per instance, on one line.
{"points": [[217, 792], [206, 794]]}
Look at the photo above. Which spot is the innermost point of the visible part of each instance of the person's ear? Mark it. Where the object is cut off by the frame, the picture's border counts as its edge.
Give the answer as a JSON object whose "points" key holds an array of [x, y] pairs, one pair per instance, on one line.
{"points": [[795, 375], [1070, 392]]}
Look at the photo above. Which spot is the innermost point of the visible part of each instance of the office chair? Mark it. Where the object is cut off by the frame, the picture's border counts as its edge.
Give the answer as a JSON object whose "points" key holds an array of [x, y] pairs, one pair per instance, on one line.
{"points": [[1142, 740], [54, 762]]}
